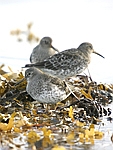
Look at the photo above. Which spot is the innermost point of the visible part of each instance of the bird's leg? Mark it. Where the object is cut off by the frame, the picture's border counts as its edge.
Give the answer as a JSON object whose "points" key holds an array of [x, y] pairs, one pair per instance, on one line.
{"points": [[70, 90], [89, 75]]}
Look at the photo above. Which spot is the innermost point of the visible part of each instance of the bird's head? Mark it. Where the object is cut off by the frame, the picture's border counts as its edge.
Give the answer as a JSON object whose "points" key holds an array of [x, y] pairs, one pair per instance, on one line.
{"points": [[32, 72], [47, 43], [88, 47], [29, 73]]}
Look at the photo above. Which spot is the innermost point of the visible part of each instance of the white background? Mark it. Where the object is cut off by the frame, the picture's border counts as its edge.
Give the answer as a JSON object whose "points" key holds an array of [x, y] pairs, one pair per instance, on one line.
{"points": [[68, 22]]}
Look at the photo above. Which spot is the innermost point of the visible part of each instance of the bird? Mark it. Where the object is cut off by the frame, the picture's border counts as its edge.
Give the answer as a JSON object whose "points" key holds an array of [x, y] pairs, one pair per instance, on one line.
{"points": [[45, 88], [67, 63], [43, 51]]}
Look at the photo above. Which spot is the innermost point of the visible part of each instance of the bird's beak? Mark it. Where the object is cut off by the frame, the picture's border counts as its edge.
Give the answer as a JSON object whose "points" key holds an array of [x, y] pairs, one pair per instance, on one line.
{"points": [[98, 54], [54, 48]]}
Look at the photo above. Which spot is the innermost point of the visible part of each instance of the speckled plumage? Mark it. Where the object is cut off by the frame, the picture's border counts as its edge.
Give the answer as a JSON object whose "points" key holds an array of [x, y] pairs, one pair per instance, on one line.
{"points": [[43, 51], [67, 63], [45, 88]]}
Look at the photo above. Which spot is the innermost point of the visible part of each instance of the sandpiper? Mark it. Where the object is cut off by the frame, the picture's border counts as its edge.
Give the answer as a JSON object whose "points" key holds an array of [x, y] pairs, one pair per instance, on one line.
{"points": [[43, 51], [67, 63], [45, 88]]}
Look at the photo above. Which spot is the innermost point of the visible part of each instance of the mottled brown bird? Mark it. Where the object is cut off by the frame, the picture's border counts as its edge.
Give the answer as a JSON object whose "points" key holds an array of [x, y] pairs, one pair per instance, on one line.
{"points": [[67, 63], [45, 88], [43, 51]]}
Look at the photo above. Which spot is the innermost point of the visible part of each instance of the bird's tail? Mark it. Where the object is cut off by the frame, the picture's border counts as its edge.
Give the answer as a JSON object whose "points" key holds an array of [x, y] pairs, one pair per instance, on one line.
{"points": [[39, 64], [29, 65]]}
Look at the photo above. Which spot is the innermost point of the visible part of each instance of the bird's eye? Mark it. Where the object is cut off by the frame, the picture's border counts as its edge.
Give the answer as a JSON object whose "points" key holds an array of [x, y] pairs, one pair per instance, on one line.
{"points": [[28, 74], [90, 47], [46, 42]]}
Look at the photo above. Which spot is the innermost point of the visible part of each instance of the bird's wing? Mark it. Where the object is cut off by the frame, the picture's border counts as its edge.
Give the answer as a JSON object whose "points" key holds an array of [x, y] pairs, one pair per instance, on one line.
{"points": [[31, 58], [34, 52], [61, 60]]}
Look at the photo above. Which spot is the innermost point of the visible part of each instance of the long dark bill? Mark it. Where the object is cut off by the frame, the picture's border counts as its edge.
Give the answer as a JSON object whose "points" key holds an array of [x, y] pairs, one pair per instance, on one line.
{"points": [[54, 48], [98, 54]]}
